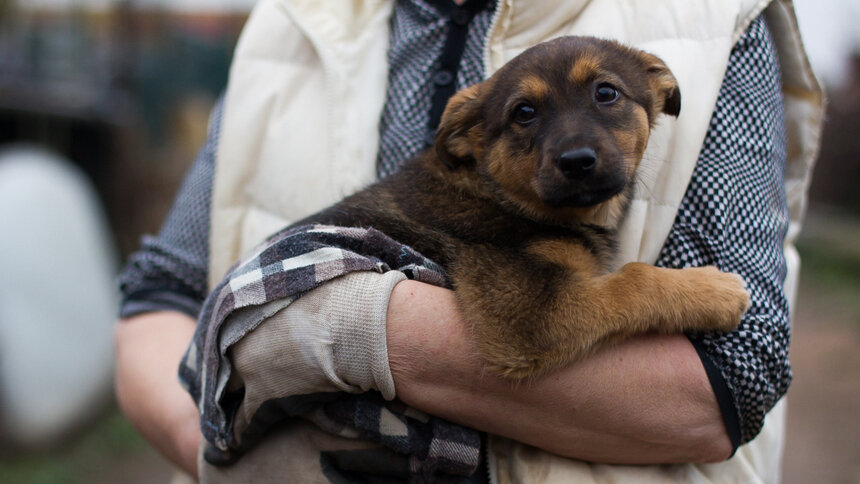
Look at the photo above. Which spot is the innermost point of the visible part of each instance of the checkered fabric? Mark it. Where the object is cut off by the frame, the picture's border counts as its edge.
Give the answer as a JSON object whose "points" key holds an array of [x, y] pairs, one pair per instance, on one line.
{"points": [[418, 36], [734, 214], [169, 272], [438, 451], [288, 265]]}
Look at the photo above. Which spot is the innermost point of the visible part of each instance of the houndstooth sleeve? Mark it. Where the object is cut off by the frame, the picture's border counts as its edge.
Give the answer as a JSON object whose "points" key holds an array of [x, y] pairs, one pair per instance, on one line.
{"points": [[169, 271], [734, 216]]}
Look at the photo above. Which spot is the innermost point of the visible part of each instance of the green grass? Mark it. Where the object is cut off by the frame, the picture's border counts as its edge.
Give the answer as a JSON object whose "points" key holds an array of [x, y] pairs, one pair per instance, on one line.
{"points": [[835, 271], [830, 266], [111, 438]]}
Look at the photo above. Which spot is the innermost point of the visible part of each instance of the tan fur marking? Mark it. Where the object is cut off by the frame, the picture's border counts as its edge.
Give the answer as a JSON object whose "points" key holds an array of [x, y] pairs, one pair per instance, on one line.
{"points": [[455, 137], [585, 68], [511, 175], [606, 214], [566, 253], [534, 88], [633, 139]]}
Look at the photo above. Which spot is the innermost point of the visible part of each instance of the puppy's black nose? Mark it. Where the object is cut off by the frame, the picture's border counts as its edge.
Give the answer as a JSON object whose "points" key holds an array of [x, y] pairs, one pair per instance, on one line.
{"points": [[577, 163]]}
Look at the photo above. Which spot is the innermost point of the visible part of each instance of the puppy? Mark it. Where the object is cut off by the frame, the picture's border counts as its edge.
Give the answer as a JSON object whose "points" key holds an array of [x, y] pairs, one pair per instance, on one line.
{"points": [[521, 199]]}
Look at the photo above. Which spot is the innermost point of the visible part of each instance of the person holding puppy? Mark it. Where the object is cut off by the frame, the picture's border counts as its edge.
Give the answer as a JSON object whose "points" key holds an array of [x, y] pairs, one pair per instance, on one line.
{"points": [[320, 99]]}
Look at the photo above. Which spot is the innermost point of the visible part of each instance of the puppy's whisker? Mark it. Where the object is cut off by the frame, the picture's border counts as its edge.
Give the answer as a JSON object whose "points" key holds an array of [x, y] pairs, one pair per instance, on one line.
{"points": [[646, 174], [646, 177]]}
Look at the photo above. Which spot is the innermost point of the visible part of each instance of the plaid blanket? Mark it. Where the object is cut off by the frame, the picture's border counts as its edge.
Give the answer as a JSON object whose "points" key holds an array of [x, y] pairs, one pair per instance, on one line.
{"points": [[286, 266]]}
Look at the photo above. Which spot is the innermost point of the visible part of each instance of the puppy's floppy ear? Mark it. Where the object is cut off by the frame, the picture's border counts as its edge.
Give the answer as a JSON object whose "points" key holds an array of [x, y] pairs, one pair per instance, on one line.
{"points": [[667, 95], [459, 129]]}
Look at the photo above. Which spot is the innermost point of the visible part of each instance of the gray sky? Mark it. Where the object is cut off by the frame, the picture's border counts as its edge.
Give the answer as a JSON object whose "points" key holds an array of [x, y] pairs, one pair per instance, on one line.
{"points": [[831, 30]]}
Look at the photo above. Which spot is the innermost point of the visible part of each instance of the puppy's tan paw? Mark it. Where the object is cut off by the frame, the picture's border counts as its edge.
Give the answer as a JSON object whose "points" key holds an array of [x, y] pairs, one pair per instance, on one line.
{"points": [[724, 297]]}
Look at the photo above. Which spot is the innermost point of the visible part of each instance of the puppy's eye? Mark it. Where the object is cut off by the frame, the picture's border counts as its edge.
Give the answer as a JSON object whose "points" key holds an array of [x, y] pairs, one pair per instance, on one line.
{"points": [[524, 113], [606, 93]]}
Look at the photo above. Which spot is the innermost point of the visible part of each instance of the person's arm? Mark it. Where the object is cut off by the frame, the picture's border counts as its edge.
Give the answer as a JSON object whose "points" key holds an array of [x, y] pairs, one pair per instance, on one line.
{"points": [[644, 401], [163, 287], [148, 349]]}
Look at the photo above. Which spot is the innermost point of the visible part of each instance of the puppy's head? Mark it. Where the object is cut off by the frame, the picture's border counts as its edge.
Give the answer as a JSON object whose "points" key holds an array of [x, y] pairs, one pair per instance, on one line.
{"points": [[559, 131]]}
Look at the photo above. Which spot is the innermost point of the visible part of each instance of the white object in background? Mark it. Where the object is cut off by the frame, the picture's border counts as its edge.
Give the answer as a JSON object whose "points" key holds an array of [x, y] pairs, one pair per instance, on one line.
{"points": [[57, 298]]}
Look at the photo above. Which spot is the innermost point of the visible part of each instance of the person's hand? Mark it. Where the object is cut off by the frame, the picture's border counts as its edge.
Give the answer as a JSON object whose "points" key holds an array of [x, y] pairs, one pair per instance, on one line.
{"points": [[644, 401], [148, 350]]}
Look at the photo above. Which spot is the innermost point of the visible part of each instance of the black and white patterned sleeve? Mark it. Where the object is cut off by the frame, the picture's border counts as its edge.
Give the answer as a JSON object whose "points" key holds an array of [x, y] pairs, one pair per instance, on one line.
{"points": [[170, 270], [734, 216]]}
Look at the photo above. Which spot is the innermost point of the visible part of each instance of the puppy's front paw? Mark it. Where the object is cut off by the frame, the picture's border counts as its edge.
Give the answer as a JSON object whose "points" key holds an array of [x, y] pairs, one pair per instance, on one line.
{"points": [[724, 297]]}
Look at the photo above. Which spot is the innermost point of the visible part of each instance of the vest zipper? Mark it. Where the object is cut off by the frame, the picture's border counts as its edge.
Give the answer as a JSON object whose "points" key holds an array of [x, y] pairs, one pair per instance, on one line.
{"points": [[500, 4]]}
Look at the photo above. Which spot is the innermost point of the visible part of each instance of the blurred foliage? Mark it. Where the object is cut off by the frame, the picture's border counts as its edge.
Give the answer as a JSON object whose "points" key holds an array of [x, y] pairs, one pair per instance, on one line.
{"points": [[831, 267], [89, 64], [832, 270], [80, 461], [833, 273]]}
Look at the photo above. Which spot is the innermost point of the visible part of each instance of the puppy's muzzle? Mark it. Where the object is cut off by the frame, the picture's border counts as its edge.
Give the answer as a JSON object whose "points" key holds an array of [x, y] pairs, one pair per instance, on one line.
{"points": [[577, 163]]}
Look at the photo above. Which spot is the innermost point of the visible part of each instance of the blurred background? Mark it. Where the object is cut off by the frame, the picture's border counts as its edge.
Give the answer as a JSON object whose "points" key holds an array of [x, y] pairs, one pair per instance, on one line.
{"points": [[103, 105]]}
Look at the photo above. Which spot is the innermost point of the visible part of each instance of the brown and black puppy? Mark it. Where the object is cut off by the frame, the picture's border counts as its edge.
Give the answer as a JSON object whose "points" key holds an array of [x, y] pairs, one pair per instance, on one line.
{"points": [[520, 201]]}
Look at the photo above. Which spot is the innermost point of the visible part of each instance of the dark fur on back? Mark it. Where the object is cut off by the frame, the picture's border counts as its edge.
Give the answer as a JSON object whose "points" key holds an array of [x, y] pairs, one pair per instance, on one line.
{"points": [[521, 199]]}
